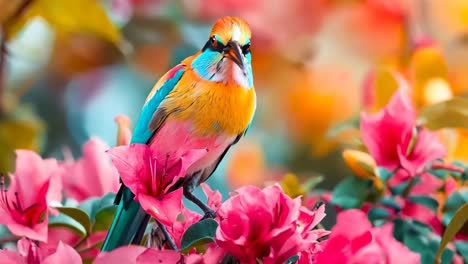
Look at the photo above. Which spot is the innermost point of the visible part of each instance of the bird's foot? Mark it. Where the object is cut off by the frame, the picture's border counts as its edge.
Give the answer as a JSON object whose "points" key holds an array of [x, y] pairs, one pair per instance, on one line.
{"points": [[209, 214]]}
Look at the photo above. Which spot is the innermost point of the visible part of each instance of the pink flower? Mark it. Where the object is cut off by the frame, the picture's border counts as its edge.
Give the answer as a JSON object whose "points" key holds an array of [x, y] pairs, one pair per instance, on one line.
{"points": [[142, 255], [354, 240], [124, 134], [214, 197], [150, 180], [91, 176], [211, 256], [23, 208], [88, 248], [388, 136], [29, 253], [266, 224], [127, 254]]}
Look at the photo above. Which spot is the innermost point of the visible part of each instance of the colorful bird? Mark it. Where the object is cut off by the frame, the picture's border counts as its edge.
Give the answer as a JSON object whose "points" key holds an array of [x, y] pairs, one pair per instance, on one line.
{"points": [[207, 101]]}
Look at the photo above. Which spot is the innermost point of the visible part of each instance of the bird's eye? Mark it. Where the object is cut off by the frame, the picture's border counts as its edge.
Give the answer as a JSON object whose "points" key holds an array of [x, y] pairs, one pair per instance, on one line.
{"points": [[246, 49], [213, 41]]}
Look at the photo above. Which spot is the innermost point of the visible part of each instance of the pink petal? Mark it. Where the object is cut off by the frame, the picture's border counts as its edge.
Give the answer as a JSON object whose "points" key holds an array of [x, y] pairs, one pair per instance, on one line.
{"points": [[36, 232], [164, 209], [361, 241], [371, 254], [395, 252], [151, 256], [126, 254], [213, 254], [91, 176], [133, 164], [214, 197], [426, 149], [351, 223], [64, 254], [336, 250], [11, 257], [60, 234], [124, 134], [428, 184], [382, 132], [31, 173]]}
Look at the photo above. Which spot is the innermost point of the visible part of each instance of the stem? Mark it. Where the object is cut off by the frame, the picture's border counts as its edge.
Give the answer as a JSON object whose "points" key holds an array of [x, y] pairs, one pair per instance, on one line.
{"points": [[449, 167], [4, 34]]}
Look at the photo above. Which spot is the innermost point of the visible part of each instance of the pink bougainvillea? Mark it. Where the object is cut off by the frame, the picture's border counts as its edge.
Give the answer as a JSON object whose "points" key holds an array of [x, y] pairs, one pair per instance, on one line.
{"points": [[266, 224]]}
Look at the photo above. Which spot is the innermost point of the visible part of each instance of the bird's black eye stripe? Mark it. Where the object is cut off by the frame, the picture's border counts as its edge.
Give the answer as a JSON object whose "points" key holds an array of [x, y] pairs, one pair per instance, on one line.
{"points": [[214, 45], [246, 49]]}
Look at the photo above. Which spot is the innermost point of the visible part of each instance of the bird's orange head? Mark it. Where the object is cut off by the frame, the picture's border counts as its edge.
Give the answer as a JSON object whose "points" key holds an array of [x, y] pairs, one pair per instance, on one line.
{"points": [[226, 55]]}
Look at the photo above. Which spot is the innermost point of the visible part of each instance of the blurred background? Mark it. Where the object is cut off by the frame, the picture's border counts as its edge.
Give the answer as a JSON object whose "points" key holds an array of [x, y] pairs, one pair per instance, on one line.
{"points": [[69, 67]]}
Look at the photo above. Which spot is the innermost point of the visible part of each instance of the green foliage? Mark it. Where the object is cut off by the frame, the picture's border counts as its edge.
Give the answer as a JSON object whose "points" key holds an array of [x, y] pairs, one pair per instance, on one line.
{"points": [[451, 113], [389, 201], [418, 237], [459, 220], [462, 248], [383, 173], [351, 192], [63, 220], [453, 203], [377, 213], [100, 211], [427, 201], [77, 215], [198, 235], [92, 215]]}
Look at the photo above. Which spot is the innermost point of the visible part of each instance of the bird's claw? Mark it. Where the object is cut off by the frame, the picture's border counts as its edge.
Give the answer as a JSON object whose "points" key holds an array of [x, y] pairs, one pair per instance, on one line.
{"points": [[209, 214]]}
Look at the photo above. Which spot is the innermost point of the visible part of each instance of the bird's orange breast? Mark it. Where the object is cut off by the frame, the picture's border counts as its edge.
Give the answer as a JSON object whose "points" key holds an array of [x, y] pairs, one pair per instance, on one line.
{"points": [[213, 108]]}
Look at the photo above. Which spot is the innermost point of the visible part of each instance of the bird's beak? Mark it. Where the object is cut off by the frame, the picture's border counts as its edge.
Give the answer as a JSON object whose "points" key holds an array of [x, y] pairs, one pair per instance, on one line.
{"points": [[233, 51]]}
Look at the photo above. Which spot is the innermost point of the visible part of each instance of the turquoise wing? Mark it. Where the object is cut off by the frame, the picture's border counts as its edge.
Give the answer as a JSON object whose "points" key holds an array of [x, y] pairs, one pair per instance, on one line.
{"points": [[142, 132], [130, 219]]}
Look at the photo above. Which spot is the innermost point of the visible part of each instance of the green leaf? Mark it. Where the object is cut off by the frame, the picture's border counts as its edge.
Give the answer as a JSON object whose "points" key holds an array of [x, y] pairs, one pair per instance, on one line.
{"points": [[103, 219], [63, 220], [312, 183], [94, 205], [292, 259], [427, 201], [351, 192], [377, 213], [441, 174], [458, 221], [383, 174], [199, 234], [462, 248], [78, 215], [400, 188], [451, 113], [412, 143], [454, 201], [389, 201]]}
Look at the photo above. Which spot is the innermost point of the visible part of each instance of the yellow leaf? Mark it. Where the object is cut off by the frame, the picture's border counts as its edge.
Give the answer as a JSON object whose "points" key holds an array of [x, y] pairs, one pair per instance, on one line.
{"points": [[17, 134], [458, 221], [70, 16], [291, 186], [452, 113]]}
